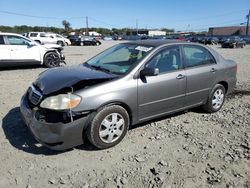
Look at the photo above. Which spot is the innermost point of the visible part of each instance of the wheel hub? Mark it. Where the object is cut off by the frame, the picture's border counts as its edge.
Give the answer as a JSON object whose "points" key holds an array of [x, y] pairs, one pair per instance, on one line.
{"points": [[111, 128]]}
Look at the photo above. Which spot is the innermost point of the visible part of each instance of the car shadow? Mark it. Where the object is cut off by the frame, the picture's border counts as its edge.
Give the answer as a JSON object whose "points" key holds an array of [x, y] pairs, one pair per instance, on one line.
{"points": [[20, 137], [24, 67], [238, 92]]}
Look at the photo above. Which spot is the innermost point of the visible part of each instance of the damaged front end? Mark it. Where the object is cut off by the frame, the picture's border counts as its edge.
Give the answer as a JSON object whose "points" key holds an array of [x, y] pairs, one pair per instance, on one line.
{"points": [[48, 105], [56, 129]]}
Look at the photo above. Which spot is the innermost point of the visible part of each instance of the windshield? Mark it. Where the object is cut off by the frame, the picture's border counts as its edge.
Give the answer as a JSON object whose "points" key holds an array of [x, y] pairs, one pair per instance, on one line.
{"points": [[120, 58]]}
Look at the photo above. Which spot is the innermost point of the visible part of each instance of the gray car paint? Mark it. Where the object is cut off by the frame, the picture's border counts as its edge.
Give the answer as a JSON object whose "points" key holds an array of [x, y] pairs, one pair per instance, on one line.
{"points": [[155, 97]]}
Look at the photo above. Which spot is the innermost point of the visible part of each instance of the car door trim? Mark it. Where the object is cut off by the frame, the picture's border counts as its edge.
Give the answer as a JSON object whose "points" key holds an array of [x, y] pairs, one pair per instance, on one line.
{"points": [[161, 100], [170, 112], [202, 90]]}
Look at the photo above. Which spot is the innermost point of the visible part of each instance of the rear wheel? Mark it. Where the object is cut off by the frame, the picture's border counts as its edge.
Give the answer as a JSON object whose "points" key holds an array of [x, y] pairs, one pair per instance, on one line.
{"points": [[61, 43], [51, 59], [108, 127], [215, 99]]}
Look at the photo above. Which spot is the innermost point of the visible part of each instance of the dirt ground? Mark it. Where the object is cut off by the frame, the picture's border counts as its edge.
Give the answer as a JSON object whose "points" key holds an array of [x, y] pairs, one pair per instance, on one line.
{"points": [[188, 149]]}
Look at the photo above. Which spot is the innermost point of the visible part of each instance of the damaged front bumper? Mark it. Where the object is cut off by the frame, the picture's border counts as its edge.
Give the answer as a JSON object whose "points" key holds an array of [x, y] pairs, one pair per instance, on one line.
{"points": [[57, 135]]}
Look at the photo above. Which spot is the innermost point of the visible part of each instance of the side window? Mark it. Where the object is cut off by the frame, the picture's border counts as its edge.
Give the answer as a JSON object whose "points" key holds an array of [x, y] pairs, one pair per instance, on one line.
{"points": [[33, 34], [166, 60], [15, 40], [42, 35], [1, 40], [197, 56]]}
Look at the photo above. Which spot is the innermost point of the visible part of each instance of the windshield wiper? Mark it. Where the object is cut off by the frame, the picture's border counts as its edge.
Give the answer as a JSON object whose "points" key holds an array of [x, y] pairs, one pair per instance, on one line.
{"points": [[100, 68]]}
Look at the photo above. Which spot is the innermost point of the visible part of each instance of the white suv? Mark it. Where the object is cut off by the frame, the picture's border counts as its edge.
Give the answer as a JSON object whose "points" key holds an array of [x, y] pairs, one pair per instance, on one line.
{"points": [[48, 38], [17, 50]]}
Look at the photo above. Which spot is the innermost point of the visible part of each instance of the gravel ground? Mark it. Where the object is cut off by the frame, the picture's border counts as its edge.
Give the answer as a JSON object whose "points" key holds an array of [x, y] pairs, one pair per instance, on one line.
{"points": [[188, 149]]}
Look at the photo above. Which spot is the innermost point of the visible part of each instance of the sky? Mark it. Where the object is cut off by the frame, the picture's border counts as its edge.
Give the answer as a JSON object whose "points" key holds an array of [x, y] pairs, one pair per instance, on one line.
{"points": [[181, 15]]}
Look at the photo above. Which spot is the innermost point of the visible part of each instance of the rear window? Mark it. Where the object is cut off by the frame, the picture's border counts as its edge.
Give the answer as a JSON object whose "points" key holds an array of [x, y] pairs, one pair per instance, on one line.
{"points": [[197, 56], [1, 39]]}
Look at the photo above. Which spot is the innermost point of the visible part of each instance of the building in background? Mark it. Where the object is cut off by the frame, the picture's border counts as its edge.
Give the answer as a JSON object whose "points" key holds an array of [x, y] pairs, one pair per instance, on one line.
{"points": [[231, 30], [152, 33]]}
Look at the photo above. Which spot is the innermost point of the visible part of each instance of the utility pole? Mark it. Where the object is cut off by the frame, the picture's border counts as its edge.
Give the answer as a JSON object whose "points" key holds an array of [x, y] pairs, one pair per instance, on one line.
{"points": [[136, 27], [87, 27], [247, 22]]}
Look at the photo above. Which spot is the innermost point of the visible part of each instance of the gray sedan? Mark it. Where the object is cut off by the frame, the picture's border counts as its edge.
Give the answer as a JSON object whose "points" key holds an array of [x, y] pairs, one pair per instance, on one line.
{"points": [[125, 85]]}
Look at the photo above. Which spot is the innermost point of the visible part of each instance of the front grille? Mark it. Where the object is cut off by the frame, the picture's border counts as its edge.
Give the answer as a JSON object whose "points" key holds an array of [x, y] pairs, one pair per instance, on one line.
{"points": [[35, 96]]}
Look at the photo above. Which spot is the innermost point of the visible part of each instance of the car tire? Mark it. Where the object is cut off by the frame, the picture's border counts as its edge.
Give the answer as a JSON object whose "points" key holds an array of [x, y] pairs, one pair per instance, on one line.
{"points": [[216, 99], [61, 43], [108, 127], [81, 43], [52, 59]]}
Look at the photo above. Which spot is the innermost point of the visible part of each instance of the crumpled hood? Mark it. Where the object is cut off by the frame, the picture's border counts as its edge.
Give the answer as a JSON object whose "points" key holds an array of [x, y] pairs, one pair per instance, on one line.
{"points": [[56, 79]]}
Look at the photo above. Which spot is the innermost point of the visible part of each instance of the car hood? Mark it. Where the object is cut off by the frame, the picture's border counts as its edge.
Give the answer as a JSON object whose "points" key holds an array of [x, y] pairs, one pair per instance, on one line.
{"points": [[68, 78]]}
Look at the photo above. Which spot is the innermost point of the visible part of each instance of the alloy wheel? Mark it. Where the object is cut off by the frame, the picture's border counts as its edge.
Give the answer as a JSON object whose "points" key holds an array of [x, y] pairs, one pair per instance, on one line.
{"points": [[111, 128], [218, 99]]}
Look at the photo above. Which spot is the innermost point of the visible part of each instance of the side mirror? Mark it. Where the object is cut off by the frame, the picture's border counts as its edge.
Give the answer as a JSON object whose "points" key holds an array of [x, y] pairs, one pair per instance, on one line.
{"points": [[149, 72]]}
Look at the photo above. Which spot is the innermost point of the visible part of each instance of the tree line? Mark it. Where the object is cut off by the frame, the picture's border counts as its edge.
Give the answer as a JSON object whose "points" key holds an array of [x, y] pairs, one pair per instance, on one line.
{"points": [[67, 29]]}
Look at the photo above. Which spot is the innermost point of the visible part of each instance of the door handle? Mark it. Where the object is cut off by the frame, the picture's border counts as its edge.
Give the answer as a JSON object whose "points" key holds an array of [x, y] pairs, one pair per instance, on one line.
{"points": [[180, 76], [213, 70]]}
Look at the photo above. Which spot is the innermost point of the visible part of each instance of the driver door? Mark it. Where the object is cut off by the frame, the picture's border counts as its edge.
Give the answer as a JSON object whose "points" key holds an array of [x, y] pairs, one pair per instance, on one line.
{"points": [[21, 50]]}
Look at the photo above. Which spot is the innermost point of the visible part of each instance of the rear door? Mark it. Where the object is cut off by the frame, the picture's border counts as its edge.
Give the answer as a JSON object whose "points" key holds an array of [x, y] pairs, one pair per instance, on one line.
{"points": [[201, 71], [158, 95]]}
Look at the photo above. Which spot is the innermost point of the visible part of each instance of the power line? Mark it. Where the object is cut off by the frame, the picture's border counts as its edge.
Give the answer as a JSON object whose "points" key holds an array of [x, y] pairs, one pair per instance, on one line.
{"points": [[28, 15]]}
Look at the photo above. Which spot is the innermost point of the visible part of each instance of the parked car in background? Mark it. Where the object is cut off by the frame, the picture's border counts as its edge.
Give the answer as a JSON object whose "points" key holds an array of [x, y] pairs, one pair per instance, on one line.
{"points": [[246, 39], [233, 42], [126, 84], [61, 40], [212, 40], [18, 50], [48, 38], [222, 39], [209, 40], [108, 38], [84, 40]]}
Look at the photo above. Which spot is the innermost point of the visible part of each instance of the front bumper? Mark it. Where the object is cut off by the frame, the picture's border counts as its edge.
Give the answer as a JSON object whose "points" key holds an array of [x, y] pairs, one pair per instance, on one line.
{"points": [[56, 136]]}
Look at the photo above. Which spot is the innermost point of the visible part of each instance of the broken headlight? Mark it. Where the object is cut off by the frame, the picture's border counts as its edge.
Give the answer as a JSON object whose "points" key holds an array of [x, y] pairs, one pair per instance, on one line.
{"points": [[61, 102]]}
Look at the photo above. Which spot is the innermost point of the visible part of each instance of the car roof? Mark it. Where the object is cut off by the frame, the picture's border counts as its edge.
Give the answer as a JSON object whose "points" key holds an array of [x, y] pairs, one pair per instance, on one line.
{"points": [[154, 43], [1, 33]]}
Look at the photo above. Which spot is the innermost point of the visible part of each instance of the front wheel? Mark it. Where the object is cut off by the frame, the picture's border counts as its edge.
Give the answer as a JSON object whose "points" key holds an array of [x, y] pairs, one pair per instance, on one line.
{"points": [[216, 99], [108, 127], [52, 59]]}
